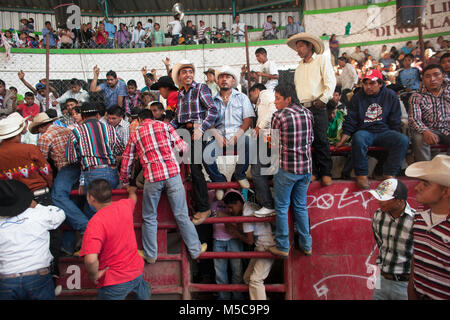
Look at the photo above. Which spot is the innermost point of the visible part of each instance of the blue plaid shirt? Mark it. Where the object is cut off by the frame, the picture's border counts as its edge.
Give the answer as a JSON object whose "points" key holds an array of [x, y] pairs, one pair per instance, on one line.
{"points": [[197, 106], [112, 94]]}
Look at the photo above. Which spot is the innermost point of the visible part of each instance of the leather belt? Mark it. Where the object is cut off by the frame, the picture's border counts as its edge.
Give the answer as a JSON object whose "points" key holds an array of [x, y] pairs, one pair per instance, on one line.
{"points": [[395, 277], [42, 272], [40, 192], [99, 167]]}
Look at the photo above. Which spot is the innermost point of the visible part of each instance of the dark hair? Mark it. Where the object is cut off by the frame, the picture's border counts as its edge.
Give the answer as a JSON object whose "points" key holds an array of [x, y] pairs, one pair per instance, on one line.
{"points": [[2, 82], [145, 114], [29, 94], [342, 58], [261, 51], [132, 82], [72, 100], [139, 22], [150, 76], [156, 23], [331, 105], [100, 190], [116, 110], [51, 113], [286, 91], [409, 55], [75, 82], [47, 22], [445, 55], [150, 20], [159, 105], [259, 86], [112, 74], [12, 88], [269, 16], [232, 198], [432, 66]]}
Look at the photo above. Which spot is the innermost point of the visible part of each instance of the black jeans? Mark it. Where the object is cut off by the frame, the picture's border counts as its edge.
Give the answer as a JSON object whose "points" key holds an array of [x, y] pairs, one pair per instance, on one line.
{"points": [[322, 163]]}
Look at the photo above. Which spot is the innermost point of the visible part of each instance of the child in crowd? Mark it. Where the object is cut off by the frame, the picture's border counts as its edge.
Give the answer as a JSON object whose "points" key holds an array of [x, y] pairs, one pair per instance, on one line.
{"points": [[133, 96], [158, 110], [28, 108]]}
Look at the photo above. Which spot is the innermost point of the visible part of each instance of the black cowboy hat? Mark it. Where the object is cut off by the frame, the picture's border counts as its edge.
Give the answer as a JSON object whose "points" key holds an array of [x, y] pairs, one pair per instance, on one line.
{"points": [[15, 198], [164, 81]]}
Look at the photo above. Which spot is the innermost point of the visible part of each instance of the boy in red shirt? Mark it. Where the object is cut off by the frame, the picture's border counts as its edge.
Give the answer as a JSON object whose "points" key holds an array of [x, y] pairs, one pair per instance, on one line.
{"points": [[109, 245], [28, 108]]}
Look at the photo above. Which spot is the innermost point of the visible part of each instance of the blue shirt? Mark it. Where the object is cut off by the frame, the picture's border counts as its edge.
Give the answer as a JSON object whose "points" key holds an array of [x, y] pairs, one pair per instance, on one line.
{"points": [[110, 29], [53, 37], [112, 94], [410, 78], [232, 115]]}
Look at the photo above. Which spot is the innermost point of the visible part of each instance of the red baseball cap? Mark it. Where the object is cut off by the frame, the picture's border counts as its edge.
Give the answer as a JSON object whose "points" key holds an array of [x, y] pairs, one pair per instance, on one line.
{"points": [[373, 75]]}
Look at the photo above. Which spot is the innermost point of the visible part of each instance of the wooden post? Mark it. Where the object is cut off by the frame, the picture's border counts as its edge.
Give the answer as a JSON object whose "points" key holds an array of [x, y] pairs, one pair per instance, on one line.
{"points": [[421, 45], [47, 71], [248, 60]]}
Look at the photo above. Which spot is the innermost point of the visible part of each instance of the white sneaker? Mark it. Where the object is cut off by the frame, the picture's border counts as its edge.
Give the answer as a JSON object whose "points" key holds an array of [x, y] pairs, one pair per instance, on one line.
{"points": [[264, 212], [244, 184], [219, 194]]}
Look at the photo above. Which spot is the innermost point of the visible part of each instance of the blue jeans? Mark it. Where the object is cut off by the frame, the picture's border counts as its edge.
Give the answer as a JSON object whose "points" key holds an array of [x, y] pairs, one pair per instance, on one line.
{"points": [[240, 168], [391, 290], [120, 291], [35, 287], [395, 142], [109, 174], [177, 199], [221, 267], [289, 186], [64, 181]]}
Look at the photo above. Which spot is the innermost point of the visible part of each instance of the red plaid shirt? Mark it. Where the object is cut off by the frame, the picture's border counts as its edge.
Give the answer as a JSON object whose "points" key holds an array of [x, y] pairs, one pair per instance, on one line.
{"points": [[53, 144], [153, 143]]}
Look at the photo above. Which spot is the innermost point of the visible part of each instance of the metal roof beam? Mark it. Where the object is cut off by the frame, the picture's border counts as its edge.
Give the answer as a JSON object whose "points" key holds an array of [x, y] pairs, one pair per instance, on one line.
{"points": [[265, 4]]}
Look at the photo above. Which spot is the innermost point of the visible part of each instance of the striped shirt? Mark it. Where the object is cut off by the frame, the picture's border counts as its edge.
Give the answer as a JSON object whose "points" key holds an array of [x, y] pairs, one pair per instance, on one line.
{"points": [[197, 106], [430, 112], [431, 256], [293, 126], [94, 144], [53, 144], [153, 143], [394, 238]]}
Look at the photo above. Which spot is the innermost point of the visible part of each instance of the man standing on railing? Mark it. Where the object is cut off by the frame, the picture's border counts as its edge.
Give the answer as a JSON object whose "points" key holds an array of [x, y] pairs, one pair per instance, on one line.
{"points": [[315, 82], [152, 143], [195, 112]]}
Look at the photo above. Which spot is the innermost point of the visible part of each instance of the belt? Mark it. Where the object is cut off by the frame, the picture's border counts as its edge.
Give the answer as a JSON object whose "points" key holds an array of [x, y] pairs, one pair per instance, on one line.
{"points": [[41, 272], [99, 167], [395, 277], [40, 192]]}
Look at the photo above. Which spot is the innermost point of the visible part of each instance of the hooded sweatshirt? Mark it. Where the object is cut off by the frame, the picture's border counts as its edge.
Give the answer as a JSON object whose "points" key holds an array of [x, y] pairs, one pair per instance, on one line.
{"points": [[375, 113]]}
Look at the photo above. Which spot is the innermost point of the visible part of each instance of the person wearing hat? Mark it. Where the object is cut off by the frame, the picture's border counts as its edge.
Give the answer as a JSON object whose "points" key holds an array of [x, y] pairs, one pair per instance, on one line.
{"points": [[430, 272], [315, 82], [392, 228], [211, 81], [236, 116], [168, 91], [25, 257], [196, 112], [374, 118]]}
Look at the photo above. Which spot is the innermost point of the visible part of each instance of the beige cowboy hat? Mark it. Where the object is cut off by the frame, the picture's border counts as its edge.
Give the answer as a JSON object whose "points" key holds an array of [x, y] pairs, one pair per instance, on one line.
{"points": [[39, 119], [436, 170], [317, 43], [12, 125], [231, 71], [178, 66]]}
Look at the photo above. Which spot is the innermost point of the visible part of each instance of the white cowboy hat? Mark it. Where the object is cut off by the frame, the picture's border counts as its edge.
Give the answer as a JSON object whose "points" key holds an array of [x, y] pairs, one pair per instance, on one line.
{"points": [[178, 66], [317, 43], [40, 118], [12, 125], [231, 71], [436, 170]]}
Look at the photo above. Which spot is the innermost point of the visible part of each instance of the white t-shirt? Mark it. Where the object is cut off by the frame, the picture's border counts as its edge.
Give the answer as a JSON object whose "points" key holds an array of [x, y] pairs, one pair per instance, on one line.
{"points": [[268, 67], [25, 239], [241, 26], [176, 27], [262, 231]]}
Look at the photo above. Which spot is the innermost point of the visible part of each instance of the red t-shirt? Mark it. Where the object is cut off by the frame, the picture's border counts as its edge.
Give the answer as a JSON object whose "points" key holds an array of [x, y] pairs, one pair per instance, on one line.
{"points": [[101, 39], [28, 110], [172, 101], [110, 234]]}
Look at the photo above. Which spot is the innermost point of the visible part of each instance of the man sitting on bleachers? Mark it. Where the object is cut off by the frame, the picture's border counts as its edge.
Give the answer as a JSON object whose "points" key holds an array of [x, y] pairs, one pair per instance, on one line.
{"points": [[429, 113], [374, 118]]}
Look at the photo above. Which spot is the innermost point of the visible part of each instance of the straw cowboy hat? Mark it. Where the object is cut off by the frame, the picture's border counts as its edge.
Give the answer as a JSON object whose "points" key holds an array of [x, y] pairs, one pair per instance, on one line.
{"points": [[231, 71], [177, 67], [317, 43], [12, 125], [436, 170], [15, 198], [40, 118]]}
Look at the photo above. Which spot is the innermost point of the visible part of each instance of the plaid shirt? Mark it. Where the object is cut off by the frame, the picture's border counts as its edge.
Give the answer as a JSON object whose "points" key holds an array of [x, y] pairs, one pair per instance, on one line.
{"points": [[196, 105], [94, 144], [428, 112], [294, 126], [153, 143], [53, 144], [394, 237]]}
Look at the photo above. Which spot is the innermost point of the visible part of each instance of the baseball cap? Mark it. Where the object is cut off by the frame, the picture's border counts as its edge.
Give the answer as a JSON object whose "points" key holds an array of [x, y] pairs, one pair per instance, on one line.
{"points": [[373, 75], [390, 189]]}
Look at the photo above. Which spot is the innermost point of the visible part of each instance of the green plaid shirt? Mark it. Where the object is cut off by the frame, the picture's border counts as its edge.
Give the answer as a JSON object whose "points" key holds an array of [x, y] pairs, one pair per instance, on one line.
{"points": [[394, 238]]}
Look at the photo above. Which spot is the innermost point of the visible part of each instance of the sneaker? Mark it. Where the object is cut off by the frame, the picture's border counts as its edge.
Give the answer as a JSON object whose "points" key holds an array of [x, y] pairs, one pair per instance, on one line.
{"points": [[264, 212], [274, 250], [362, 182], [146, 259], [326, 181], [199, 217], [244, 184], [219, 194]]}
